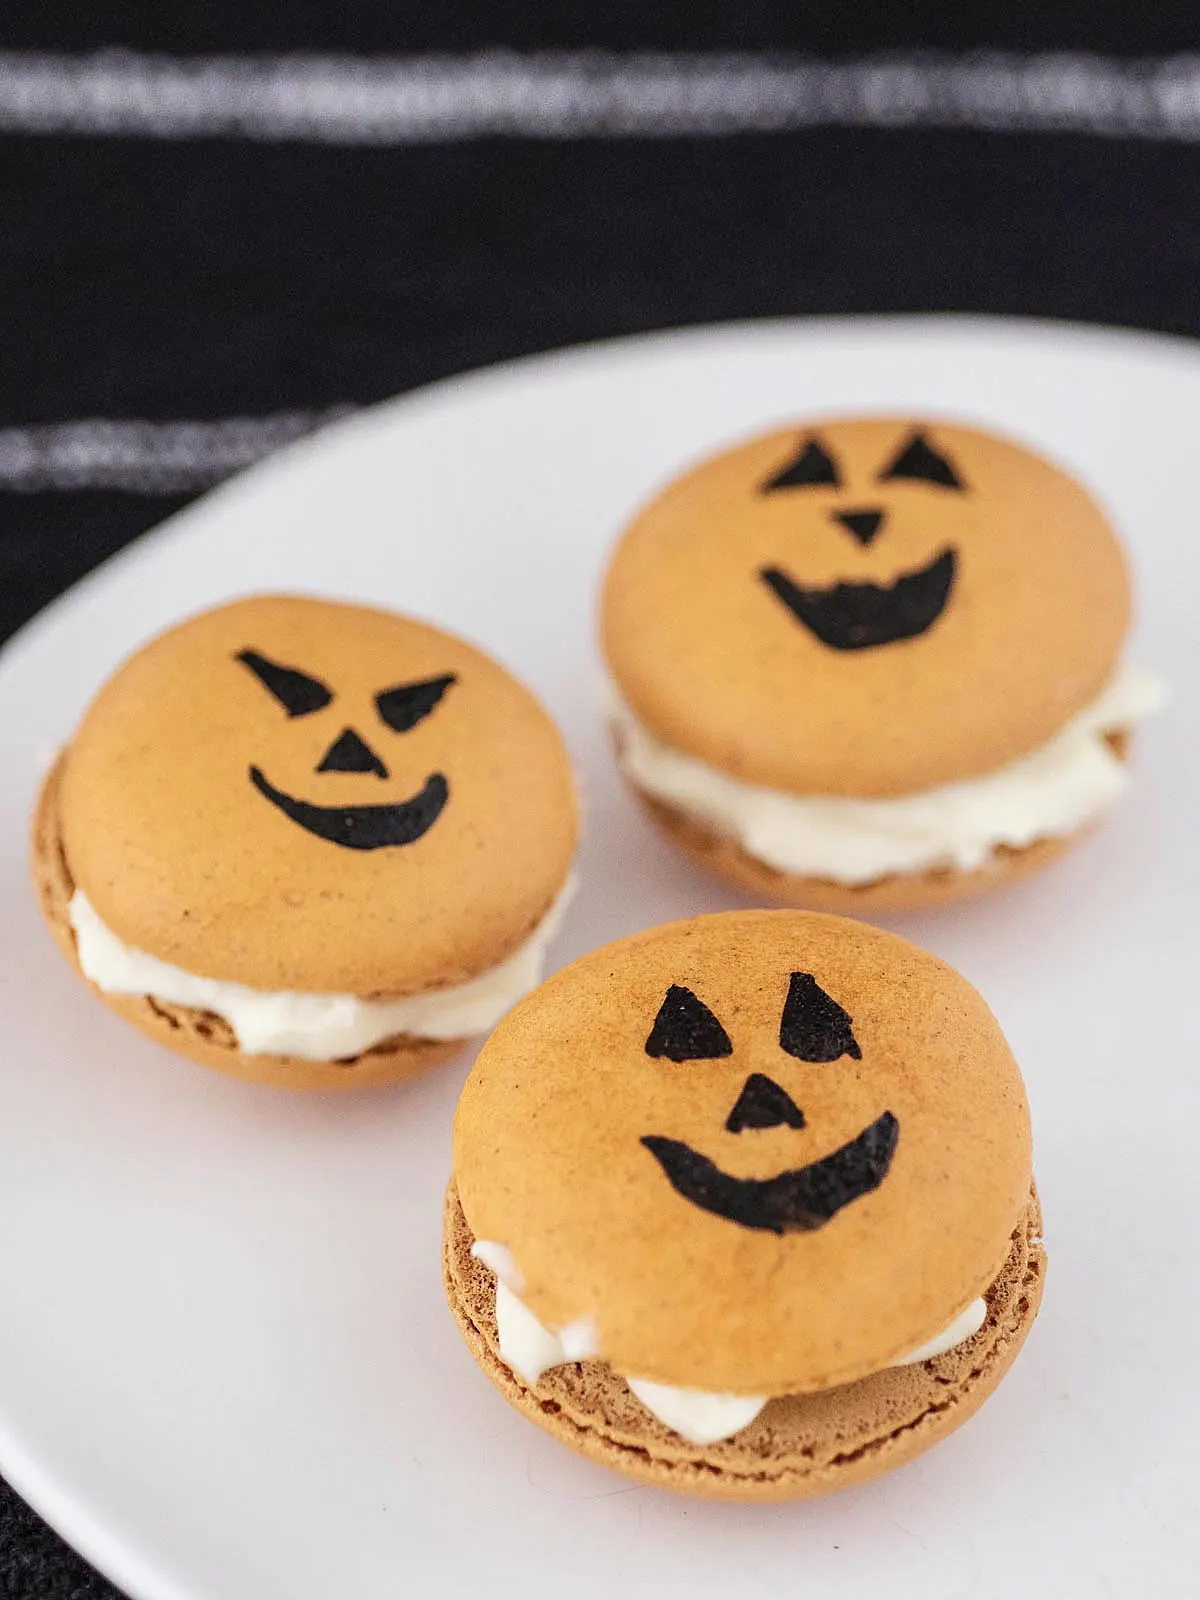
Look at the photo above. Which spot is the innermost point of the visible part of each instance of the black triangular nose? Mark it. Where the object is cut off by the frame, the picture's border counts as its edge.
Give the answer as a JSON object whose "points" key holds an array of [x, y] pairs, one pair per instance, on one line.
{"points": [[349, 753], [763, 1104], [864, 525]]}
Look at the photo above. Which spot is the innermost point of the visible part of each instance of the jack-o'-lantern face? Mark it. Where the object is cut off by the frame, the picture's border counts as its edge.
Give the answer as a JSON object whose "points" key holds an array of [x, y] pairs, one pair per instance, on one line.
{"points": [[865, 607], [370, 826], [867, 615], [754, 1148], [812, 1027], [318, 797]]}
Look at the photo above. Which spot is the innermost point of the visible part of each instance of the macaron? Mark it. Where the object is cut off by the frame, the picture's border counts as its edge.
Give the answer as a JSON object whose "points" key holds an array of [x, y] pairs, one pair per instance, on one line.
{"points": [[743, 1205], [871, 663], [310, 844]]}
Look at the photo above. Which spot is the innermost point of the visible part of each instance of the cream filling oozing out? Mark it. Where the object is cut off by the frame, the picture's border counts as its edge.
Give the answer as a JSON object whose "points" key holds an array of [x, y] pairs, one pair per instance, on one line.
{"points": [[1069, 781], [316, 1027], [530, 1349]]}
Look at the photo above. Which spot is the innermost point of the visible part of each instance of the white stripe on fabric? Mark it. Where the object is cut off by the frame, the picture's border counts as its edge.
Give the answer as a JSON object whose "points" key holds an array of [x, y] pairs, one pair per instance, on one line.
{"points": [[398, 100], [145, 457]]}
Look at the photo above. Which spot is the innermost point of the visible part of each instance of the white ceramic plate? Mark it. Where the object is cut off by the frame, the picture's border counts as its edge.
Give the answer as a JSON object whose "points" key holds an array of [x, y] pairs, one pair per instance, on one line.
{"points": [[225, 1366]]}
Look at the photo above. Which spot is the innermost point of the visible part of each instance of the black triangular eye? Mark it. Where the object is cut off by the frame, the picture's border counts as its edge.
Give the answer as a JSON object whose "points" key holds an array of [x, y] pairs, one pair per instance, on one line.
{"points": [[813, 1026], [686, 1030], [812, 465], [918, 459], [405, 705], [296, 692]]}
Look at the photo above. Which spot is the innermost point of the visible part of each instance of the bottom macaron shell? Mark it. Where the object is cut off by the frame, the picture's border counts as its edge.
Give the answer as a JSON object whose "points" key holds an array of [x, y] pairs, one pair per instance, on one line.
{"points": [[798, 1446], [902, 891], [200, 1035]]}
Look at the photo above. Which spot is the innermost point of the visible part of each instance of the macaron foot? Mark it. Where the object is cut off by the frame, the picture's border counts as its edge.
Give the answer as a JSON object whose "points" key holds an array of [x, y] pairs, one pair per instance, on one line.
{"points": [[201, 1035], [798, 1446]]}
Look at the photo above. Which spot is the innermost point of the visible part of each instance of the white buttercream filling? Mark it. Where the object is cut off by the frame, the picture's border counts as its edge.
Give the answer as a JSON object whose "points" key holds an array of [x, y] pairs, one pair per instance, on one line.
{"points": [[967, 1322], [316, 1027], [1067, 782], [530, 1348], [697, 1417]]}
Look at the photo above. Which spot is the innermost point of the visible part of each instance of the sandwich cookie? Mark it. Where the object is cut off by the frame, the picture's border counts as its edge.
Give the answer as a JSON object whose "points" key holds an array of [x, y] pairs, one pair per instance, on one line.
{"points": [[310, 844], [867, 664], [743, 1205]]}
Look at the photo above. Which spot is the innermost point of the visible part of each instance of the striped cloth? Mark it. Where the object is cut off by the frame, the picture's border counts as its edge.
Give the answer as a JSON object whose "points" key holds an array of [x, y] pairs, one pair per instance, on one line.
{"points": [[218, 229]]}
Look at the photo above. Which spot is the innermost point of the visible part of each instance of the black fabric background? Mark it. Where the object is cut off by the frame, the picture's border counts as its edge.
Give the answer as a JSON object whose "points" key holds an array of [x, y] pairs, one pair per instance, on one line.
{"points": [[208, 279]]}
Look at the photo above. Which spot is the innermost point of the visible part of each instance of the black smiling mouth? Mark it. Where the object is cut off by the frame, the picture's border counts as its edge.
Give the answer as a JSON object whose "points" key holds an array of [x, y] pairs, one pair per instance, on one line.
{"points": [[792, 1202], [362, 827], [858, 616]]}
